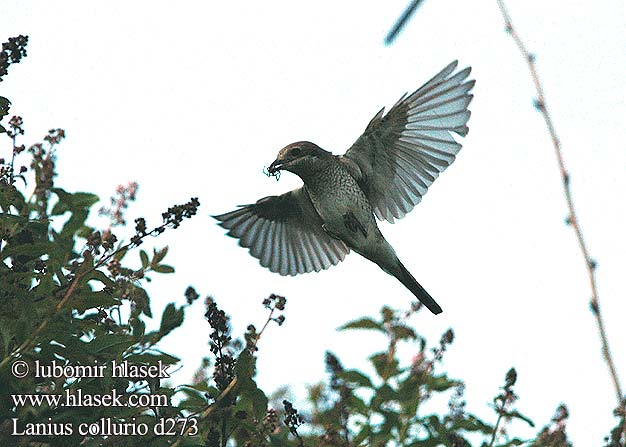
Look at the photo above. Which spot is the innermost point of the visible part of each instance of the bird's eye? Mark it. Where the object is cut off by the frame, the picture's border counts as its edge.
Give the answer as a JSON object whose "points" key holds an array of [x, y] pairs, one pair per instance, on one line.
{"points": [[295, 151]]}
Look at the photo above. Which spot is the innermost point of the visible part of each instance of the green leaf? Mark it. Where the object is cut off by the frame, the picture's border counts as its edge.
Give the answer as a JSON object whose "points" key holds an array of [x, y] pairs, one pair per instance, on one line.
{"points": [[30, 251], [363, 323], [387, 313], [11, 223], [84, 199], [87, 264], [64, 202], [163, 268], [202, 387], [72, 202], [362, 434], [213, 392], [7, 332], [98, 275], [144, 259], [409, 393], [385, 393], [189, 441], [195, 399], [441, 383], [403, 332], [89, 300], [74, 223], [159, 255], [385, 367], [246, 364], [358, 405], [152, 358], [45, 287], [392, 421], [249, 392], [85, 231], [434, 422], [259, 402], [472, 423], [104, 343], [138, 327], [515, 441], [357, 378], [5, 105], [11, 196], [171, 319], [120, 253], [517, 415], [141, 300]]}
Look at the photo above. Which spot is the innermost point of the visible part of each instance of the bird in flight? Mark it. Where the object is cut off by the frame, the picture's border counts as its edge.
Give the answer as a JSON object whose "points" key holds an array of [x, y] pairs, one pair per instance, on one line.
{"points": [[383, 175]]}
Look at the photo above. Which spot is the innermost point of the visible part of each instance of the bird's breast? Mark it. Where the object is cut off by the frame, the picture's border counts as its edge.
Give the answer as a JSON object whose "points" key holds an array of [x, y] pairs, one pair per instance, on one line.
{"points": [[342, 205]]}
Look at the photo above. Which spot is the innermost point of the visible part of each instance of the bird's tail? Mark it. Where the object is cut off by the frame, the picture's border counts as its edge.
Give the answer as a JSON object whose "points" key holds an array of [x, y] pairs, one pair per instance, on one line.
{"points": [[405, 277]]}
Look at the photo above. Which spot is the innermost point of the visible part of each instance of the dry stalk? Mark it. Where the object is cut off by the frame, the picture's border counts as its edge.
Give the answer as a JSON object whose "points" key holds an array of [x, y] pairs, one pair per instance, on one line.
{"points": [[590, 264]]}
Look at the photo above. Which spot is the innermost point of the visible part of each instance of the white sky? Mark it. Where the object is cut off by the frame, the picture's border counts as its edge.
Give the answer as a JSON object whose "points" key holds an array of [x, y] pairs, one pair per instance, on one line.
{"points": [[194, 98]]}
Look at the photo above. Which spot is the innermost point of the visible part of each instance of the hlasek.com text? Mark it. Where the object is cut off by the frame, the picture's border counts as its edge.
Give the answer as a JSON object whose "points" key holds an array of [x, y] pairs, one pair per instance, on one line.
{"points": [[77, 397]]}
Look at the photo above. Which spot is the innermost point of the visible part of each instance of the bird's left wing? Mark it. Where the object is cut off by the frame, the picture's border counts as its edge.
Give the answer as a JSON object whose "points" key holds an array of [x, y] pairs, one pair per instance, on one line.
{"points": [[401, 154], [285, 233]]}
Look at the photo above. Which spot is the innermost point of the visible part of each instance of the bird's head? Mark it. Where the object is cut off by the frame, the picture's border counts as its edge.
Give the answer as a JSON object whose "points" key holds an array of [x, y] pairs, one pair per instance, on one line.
{"points": [[296, 157]]}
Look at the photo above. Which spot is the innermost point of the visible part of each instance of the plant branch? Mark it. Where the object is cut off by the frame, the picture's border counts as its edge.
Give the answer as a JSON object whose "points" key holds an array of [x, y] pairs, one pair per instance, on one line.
{"points": [[540, 104], [258, 336], [495, 429], [273, 303], [172, 218], [27, 344], [402, 21], [206, 413]]}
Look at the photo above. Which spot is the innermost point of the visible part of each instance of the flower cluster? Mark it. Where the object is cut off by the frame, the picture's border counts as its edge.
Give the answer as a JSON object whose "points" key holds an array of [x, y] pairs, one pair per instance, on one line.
{"points": [[12, 52], [220, 344]]}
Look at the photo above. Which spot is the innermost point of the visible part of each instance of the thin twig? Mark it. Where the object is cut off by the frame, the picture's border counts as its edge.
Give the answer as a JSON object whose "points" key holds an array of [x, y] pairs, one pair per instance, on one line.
{"points": [[590, 264], [206, 413], [258, 336], [14, 138], [401, 22], [495, 429]]}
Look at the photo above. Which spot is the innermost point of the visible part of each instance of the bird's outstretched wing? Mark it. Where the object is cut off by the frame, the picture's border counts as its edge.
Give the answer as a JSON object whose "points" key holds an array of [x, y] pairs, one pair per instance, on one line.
{"points": [[285, 233], [401, 154]]}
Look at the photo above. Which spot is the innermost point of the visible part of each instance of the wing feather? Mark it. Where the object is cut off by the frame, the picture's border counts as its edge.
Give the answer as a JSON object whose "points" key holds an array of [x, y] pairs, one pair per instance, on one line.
{"points": [[400, 154], [285, 233]]}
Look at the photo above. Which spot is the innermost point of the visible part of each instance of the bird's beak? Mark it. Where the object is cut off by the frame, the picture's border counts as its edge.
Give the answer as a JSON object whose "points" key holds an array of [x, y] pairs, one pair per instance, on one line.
{"points": [[275, 166]]}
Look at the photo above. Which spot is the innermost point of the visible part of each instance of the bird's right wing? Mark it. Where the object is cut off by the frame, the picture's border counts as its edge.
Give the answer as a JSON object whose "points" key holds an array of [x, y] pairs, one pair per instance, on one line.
{"points": [[401, 153], [285, 233]]}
